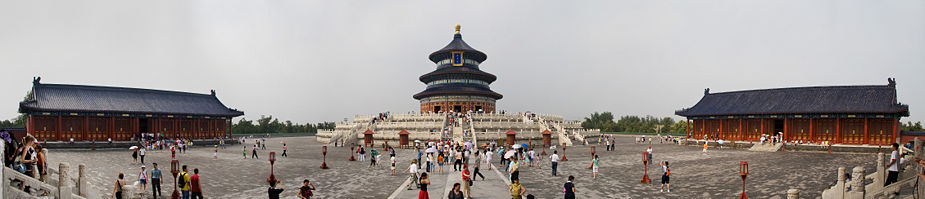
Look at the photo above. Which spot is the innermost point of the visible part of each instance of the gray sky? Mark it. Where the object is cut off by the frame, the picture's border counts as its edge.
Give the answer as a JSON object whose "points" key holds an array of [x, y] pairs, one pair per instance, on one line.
{"points": [[327, 60]]}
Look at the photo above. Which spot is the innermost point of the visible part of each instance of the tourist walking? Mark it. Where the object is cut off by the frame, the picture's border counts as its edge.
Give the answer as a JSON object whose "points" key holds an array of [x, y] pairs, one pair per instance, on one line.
{"points": [[117, 190], [466, 180], [475, 171], [142, 179], [517, 189], [440, 160], [284, 151], [155, 180], [455, 193], [244, 152], [895, 161], [413, 170], [554, 158], [183, 181], [594, 166], [305, 192], [457, 165], [254, 154], [515, 169], [195, 187], [273, 191], [423, 182], [570, 188], [215, 153], [135, 155], [666, 172], [141, 153]]}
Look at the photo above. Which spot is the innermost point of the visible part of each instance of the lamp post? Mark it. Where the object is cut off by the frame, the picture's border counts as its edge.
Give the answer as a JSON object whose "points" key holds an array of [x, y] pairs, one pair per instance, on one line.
{"points": [[324, 157], [175, 170], [272, 160], [645, 164], [743, 172], [592, 158], [563, 153], [352, 152]]}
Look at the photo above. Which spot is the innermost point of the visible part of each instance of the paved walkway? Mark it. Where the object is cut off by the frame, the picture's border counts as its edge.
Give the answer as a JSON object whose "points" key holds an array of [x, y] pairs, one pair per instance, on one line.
{"points": [[493, 186]]}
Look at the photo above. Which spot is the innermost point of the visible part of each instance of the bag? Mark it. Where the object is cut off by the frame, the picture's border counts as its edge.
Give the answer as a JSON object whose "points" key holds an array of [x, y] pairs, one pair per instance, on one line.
{"points": [[182, 181]]}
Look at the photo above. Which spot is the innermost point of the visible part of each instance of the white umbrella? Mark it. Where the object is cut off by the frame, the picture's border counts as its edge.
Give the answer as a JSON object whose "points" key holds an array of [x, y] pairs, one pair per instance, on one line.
{"points": [[552, 147], [509, 154], [133, 147], [517, 146], [430, 150], [719, 141]]}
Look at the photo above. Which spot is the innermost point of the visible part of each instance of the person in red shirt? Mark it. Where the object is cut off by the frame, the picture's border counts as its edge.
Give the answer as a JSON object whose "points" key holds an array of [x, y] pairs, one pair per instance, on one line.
{"points": [[466, 180], [194, 185]]}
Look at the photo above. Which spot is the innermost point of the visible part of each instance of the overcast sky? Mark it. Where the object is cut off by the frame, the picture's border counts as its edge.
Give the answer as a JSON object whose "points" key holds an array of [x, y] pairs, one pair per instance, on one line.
{"points": [[310, 61]]}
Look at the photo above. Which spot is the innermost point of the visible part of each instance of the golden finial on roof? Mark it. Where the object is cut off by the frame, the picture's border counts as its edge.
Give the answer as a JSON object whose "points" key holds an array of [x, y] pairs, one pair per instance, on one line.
{"points": [[457, 28]]}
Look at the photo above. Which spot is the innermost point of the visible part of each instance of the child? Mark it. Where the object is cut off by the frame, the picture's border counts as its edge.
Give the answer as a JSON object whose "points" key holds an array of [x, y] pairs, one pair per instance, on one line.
{"points": [[244, 152], [705, 147], [393, 165], [215, 154]]}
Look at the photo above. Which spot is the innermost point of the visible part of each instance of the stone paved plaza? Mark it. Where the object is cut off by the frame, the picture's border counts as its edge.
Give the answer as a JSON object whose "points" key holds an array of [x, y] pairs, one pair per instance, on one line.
{"points": [[694, 174]]}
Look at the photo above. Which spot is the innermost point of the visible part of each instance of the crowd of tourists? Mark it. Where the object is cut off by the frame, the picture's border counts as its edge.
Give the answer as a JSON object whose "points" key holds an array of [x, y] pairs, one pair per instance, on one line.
{"points": [[25, 156]]}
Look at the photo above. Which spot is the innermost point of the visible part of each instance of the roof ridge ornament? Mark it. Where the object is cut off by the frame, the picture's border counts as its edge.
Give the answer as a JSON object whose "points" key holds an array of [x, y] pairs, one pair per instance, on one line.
{"points": [[457, 28], [706, 91], [36, 80], [213, 92], [892, 82]]}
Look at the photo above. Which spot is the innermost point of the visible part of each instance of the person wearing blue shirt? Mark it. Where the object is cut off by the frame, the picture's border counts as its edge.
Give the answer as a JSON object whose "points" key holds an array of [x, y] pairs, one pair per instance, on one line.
{"points": [[155, 181]]}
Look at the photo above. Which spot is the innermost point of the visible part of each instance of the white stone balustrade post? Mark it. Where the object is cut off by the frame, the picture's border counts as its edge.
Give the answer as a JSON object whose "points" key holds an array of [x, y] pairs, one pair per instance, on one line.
{"points": [[82, 188], [857, 183], [64, 191]]}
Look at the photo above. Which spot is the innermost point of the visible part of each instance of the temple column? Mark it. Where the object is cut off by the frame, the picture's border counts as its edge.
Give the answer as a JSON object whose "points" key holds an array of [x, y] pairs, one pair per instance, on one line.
{"points": [[866, 130], [59, 129], [741, 135], [812, 138], [838, 139]]}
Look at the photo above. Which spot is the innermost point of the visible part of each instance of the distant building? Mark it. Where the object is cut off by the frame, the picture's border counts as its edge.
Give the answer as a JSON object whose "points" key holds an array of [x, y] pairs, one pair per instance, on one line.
{"points": [[837, 114], [61, 112], [457, 85]]}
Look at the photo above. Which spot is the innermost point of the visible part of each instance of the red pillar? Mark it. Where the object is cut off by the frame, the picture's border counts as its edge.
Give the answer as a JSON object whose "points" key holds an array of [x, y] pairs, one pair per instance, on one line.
{"points": [[112, 127], [838, 130], [786, 129], [721, 129], [896, 130], [688, 128], [230, 125], [59, 129], [762, 128], [812, 138], [866, 127], [741, 136], [86, 128]]}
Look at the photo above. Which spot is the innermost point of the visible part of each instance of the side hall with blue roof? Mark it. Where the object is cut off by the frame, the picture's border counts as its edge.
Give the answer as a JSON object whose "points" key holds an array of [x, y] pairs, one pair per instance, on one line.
{"points": [[97, 113], [866, 114]]}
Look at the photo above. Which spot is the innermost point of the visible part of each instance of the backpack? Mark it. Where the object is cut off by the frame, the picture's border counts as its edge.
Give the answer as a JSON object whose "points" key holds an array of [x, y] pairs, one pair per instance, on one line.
{"points": [[182, 181]]}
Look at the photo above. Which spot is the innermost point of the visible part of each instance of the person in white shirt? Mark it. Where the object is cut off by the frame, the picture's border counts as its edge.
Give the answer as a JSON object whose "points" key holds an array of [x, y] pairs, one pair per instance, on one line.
{"points": [[554, 158], [413, 170], [895, 160]]}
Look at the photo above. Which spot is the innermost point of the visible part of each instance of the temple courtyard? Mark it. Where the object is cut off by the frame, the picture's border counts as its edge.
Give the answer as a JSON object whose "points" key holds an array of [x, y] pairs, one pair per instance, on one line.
{"points": [[694, 174]]}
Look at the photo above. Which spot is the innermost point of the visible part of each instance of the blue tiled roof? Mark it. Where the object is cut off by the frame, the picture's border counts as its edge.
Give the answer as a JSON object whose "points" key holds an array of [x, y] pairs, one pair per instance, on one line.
{"points": [[82, 98], [457, 45], [800, 100]]}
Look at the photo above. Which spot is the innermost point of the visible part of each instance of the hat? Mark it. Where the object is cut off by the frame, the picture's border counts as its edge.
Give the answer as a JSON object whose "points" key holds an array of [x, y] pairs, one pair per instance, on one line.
{"points": [[142, 166]]}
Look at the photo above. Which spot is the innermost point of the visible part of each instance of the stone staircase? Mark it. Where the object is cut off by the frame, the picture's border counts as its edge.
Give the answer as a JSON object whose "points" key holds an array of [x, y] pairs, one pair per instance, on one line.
{"points": [[766, 147]]}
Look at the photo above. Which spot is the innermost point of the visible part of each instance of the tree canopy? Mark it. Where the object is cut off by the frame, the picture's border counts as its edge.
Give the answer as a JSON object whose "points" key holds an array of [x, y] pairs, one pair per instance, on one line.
{"points": [[268, 124], [648, 124]]}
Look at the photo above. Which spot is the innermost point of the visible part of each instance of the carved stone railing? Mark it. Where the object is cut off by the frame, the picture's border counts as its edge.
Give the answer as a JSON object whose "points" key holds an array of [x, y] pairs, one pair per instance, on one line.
{"points": [[876, 189]]}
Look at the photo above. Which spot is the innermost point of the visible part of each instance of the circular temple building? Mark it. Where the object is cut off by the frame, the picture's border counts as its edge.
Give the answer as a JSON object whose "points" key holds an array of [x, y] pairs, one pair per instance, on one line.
{"points": [[457, 85]]}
